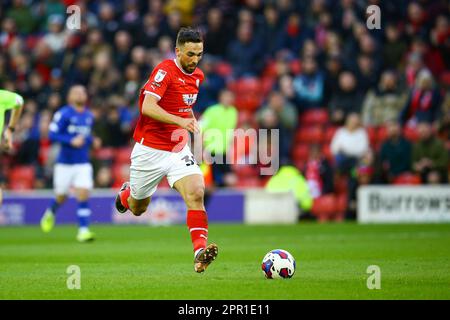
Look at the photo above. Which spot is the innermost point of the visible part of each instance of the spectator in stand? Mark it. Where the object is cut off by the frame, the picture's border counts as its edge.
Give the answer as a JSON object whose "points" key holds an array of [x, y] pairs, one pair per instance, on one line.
{"points": [[430, 157], [271, 30], [285, 84], [394, 47], [384, 102], [217, 34], [416, 22], [440, 36], [289, 178], [22, 15], [295, 33], [395, 153], [211, 86], [282, 115], [349, 144], [310, 86], [423, 102], [122, 49], [348, 99], [217, 124], [318, 173], [333, 68], [108, 23], [244, 53], [366, 73], [104, 178]]}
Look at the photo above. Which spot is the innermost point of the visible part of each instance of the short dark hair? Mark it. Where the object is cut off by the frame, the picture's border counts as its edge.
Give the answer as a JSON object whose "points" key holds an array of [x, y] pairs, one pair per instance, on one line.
{"points": [[187, 34]]}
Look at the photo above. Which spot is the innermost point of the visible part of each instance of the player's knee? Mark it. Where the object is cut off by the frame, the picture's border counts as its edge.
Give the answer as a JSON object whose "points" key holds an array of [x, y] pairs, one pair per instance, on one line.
{"points": [[196, 195], [137, 211]]}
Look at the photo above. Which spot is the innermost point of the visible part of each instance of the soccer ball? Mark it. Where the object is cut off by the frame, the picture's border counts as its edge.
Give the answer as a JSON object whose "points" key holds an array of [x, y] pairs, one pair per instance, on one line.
{"points": [[278, 264]]}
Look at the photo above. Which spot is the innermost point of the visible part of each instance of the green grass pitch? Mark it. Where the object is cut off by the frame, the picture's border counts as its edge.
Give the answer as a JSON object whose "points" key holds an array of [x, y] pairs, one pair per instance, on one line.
{"points": [[142, 262]]}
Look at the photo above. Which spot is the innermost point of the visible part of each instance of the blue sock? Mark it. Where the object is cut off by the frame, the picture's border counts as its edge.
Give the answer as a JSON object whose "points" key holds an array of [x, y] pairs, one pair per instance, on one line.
{"points": [[83, 213], [54, 206]]}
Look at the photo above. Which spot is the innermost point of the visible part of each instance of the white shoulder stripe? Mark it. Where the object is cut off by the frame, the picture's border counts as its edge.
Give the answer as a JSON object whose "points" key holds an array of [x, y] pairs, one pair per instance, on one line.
{"points": [[153, 94], [195, 229]]}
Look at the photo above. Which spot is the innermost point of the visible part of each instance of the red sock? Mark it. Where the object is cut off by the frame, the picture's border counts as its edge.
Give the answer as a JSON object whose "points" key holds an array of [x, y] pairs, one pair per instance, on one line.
{"points": [[124, 195], [197, 222]]}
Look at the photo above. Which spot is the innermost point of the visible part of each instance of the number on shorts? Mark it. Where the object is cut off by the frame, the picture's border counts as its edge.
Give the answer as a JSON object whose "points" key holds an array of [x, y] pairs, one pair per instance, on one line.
{"points": [[189, 160]]}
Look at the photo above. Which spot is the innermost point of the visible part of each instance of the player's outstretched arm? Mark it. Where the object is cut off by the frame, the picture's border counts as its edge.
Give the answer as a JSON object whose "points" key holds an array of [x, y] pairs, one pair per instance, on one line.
{"points": [[150, 108], [14, 119]]}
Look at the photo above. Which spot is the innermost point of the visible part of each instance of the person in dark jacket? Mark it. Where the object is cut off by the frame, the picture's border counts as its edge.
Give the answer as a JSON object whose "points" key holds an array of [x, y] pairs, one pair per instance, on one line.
{"points": [[395, 153]]}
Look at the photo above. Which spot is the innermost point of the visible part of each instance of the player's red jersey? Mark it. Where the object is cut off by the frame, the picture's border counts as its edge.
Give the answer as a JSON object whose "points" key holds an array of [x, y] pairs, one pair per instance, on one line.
{"points": [[177, 92]]}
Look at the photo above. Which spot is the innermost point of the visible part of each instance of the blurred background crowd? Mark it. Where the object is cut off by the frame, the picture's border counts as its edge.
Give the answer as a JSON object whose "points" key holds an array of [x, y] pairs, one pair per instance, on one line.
{"points": [[353, 106]]}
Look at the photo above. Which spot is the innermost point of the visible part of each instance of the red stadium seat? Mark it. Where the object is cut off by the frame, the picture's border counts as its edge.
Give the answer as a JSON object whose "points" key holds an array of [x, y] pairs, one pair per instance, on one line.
{"points": [[341, 202], [295, 66], [372, 134], [120, 174], [326, 152], [22, 177], [249, 182], [224, 69], [411, 134], [381, 134], [340, 184], [445, 78], [313, 117], [122, 155], [310, 135], [248, 92], [104, 154], [245, 170], [407, 179], [329, 134], [324, 207], [300, 153]]}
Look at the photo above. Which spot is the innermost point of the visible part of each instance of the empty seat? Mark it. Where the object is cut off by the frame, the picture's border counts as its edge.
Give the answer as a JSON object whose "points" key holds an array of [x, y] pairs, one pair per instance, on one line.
{"points": [[22, 177], [410, 134], [300, 153], [310, 135], [329, 134], [122, 155], [407, 179], [324, 207], [314, 117]]}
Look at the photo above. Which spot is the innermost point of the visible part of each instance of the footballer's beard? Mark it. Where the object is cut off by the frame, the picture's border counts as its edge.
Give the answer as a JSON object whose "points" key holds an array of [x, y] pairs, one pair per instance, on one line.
{"points": [[189, 68]]}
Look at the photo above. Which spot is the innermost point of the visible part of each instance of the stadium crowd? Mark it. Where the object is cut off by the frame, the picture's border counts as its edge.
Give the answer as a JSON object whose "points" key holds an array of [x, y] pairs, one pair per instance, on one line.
{"points": [[354, 106]]}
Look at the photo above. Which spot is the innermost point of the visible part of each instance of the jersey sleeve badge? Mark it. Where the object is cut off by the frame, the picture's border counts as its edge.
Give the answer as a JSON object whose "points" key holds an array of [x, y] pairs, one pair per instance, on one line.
{"points": [[160, 75]]}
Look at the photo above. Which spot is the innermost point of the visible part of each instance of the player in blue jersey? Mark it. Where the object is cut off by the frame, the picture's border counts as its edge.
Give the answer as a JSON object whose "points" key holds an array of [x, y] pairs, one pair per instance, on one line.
{"points": [[71, 128]]}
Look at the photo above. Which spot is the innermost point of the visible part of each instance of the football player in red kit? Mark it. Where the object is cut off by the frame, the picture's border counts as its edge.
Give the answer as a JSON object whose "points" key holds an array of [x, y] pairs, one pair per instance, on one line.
{"points": [[161, 137]]}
